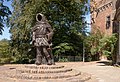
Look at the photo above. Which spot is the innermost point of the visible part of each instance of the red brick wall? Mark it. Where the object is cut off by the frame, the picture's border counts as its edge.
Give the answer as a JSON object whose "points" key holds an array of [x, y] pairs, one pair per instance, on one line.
{"points": [[100, 18]]}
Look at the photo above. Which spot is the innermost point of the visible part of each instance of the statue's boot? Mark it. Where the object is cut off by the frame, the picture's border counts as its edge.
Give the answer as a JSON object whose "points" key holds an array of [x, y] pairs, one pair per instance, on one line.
{"points": [[52, 59], [53, 62], [49, 61], [38, 60]]}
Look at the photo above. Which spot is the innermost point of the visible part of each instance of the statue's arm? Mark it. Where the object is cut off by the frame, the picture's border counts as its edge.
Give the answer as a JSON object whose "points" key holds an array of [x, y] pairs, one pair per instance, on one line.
{"points": [[33, 37], [33, 33], [50, 34]]}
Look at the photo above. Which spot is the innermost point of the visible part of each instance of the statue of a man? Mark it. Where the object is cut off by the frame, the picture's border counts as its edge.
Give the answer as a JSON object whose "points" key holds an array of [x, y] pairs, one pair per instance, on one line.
{"points": [[41, 37]]}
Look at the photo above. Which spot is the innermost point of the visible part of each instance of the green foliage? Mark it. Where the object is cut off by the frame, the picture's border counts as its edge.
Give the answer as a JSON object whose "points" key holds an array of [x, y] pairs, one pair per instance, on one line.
{"points": [[92, 42], [65, 16], [63, 60], [107, 44], [5, 56], [99, 44], [71, 45], [62, 48]]}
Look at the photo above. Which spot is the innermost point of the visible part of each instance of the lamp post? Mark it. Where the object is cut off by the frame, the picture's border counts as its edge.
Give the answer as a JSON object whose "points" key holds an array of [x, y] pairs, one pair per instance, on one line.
{"points": [[83, 56], [83, 53]]}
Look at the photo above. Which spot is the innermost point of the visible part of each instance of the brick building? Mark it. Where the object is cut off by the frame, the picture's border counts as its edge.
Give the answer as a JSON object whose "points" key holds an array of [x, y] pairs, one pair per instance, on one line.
{"points": [[102, 14], [105, 16]]}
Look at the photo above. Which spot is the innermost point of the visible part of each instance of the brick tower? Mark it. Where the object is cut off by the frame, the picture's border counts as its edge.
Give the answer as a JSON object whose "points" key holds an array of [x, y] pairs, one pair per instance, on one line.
{"points": [[102, 14]]}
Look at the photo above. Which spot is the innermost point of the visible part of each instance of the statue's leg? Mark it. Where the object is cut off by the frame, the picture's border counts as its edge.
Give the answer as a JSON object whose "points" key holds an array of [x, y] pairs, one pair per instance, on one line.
{"points": [[52, 57], [44, 60], [53, 62], [47, 55], [38, 56]]}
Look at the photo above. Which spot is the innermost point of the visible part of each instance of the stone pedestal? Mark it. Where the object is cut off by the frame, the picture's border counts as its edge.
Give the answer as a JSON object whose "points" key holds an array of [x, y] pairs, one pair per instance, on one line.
{"points": [[42, 73]]}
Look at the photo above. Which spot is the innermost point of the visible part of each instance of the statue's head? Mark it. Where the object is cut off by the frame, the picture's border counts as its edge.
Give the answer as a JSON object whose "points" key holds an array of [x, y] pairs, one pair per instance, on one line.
{"points": [[40, 17]]}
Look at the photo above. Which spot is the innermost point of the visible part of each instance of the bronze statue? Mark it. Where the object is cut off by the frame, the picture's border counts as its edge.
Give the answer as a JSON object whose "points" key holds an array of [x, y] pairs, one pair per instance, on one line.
{"points": [[41, 38]]}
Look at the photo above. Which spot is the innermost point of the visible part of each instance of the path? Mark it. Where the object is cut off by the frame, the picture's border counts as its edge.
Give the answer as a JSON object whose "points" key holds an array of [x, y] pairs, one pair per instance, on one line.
{"points": [[103, 72]]}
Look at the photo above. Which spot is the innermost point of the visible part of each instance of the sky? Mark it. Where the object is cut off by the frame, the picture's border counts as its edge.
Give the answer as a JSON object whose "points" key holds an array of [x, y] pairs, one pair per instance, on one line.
{"points": [[6, 34], [88, 21]]}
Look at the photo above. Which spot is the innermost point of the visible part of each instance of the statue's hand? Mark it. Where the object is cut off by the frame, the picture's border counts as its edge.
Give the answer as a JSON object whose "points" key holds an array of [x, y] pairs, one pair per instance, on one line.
{"points": [[33, 42], [47, 36]]}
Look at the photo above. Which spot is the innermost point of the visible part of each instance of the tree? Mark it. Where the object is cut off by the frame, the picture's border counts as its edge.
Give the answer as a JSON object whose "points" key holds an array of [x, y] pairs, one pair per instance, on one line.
{"points": [[5, 56], [65, 16], [4, 14], [98, 45], [92, 44], [107, 46]]}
